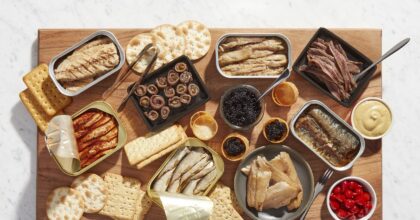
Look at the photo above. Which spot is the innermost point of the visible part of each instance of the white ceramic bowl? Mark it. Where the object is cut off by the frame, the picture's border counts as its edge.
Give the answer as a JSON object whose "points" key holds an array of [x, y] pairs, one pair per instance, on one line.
{"points": [[352, 118], [365, 184]]}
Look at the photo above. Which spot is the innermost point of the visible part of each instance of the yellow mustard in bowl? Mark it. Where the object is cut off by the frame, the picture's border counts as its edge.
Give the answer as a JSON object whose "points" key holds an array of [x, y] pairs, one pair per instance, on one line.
{"points": [[372, 118]]}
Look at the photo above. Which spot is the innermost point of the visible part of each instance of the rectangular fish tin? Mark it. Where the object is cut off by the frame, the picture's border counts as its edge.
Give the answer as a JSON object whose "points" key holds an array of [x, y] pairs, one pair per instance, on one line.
{"points": [[276, 35], [195, 143], [327, 110], [122, 135], [351, 52], [178, 113], [55, 61]]}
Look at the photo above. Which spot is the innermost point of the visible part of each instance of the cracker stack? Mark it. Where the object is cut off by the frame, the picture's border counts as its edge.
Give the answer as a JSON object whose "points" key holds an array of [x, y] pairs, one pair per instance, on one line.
{"points": [[123, 193], [64, 203], [113, 195], [144, 150], [42, 98], [93, 190], [224, 204], [190, 38]]}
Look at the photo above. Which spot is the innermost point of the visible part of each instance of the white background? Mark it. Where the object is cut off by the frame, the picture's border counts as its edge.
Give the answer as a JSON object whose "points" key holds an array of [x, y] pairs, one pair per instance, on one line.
{"points": [[20, 20]]}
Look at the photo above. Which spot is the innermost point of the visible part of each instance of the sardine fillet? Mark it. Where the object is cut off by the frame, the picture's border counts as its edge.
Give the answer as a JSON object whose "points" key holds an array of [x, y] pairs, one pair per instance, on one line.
{"points": [[205, 182], [235, 56], [189, 189], [210, 167], [195, 169], [91, 60], [99, 131], [271, 44], [175, 160], [252, 185], [187, 163], [279, 195], [162, 182], [263, 181], [239, 41], [174, 187]]}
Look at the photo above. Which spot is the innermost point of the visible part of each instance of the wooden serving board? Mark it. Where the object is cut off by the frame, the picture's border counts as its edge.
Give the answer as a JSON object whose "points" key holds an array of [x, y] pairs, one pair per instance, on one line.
{"points": [[369, 166]]}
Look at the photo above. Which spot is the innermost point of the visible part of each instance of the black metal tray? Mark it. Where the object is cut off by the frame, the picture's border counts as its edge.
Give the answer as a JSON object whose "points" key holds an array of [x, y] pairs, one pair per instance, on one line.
{"points": [[175, 114], [351, 52]]}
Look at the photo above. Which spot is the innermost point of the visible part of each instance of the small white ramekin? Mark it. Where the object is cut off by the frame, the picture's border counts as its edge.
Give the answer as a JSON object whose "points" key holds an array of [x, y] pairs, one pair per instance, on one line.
{"points": [[352, 118], [365, 184]]}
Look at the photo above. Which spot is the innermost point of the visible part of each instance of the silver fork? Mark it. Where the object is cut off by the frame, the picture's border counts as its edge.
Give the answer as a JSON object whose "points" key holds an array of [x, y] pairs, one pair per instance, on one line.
{"points": [[318, 188]]}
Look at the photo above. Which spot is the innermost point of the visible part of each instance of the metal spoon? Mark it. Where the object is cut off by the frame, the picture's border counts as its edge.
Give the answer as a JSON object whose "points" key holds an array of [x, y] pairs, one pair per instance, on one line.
{"points": [[283, 76], [391, 51]]}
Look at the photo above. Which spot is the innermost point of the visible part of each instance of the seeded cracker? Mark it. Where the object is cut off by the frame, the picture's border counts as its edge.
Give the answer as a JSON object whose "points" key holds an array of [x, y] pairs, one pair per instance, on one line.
{"points": [[64, 203], [198, 39], [92, 188], [135, 46], [44, 90], [170, 41]]}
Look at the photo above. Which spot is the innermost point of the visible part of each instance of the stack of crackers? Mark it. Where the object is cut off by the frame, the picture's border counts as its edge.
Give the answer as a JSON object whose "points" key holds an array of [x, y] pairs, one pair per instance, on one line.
{"points": [[225, 205], [144, 150], [113, 195], [42, 98], [190, 38]]}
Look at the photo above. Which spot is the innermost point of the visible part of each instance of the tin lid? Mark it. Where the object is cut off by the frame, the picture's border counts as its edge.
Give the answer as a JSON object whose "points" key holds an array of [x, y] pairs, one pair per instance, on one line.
{"points": [[122, 138], [192, 143]]}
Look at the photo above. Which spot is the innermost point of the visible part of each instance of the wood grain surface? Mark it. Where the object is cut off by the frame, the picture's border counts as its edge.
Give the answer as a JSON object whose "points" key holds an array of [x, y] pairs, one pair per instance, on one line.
{"points": [[369, 166]]}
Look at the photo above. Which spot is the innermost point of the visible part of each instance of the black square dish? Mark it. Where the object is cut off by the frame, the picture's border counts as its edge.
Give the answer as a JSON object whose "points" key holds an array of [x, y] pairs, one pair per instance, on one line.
{"points": [[351, 53], [175, 113]]}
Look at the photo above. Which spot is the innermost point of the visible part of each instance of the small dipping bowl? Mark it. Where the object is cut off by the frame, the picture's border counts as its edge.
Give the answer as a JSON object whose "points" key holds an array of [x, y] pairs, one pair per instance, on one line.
{"points": [[285, 134], [259, 117], [366, 187], [285, 94], [244, 141], [203, 125], [354, 123]]}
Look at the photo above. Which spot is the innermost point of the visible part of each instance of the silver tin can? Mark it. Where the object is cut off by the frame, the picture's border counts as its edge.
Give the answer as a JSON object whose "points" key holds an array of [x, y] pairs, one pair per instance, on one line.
{"points": [[341, 121], [70, 50], [275, 35]]}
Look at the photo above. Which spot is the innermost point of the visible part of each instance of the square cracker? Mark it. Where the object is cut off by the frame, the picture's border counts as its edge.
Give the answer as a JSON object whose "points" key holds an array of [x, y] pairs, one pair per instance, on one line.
{"points": [[223, 204], [122, 196], [37, 112], [142, 207], [44, 90], [143, 148]]}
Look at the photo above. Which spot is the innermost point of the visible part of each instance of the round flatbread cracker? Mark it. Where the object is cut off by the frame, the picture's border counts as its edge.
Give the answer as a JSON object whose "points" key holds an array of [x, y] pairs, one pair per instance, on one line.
{"points": [[198, 39], [170, 42], [134, 47], [92, 188], [64, 203]]}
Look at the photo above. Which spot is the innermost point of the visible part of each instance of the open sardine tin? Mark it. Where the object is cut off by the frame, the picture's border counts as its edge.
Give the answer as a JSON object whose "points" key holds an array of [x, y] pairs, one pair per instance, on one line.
{"points": [[57, 59], [323, 107], [192, 143], [282, 37], [122, 139]]}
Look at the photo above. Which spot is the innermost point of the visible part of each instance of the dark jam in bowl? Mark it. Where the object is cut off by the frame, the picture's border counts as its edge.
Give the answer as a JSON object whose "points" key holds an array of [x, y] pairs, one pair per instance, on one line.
{"points": [[234, 146], [241, 107], [275, 130]]}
